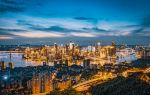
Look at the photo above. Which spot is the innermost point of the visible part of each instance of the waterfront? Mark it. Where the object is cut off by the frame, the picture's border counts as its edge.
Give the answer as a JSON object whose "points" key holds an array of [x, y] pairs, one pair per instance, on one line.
{"points": [[17, 60], [46, 69], [74, 47]]}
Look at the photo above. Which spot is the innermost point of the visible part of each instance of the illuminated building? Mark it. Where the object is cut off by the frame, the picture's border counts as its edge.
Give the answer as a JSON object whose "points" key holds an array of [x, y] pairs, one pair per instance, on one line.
{"points": [[41, 83], [55, 62], [86, 63], [67, 49], [74, 54], [66, 62], [36, 84], [125, 55], [62, 85], [27, 52], [71, 45], [10, 65], [60, 61], [114, 49], [48, 83], [97, 49], [2, 65]]}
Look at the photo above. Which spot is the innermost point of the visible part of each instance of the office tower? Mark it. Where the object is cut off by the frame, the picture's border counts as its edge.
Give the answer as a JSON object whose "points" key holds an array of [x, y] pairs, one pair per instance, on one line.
{"points": [[2, 65], [114, 49], [97, 49], [36, 84], [42, 83], [71, 45], [10, 65], [48, 83], [56, 48], [29, 85], [86, 63], [44, 64], [66, 62], [55, 62], [60, 61], [67, 49], [98, 44]]}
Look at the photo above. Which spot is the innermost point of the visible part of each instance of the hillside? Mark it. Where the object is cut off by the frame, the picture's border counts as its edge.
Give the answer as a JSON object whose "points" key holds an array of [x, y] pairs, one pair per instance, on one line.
{"points": [[135, 84]]}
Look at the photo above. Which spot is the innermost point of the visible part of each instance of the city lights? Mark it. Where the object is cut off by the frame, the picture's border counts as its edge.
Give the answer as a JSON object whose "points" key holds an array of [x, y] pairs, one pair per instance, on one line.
{"points": [[5, 77], [74, 47]]}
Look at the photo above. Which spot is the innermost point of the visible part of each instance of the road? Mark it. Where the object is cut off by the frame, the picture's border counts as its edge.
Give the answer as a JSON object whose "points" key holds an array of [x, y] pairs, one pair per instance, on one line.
{"points": [[84, 86]]}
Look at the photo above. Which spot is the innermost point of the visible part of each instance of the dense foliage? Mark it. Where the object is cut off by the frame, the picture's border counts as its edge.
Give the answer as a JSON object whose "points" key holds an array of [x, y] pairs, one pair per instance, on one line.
{"points": [[132, 85], [68, 91]]}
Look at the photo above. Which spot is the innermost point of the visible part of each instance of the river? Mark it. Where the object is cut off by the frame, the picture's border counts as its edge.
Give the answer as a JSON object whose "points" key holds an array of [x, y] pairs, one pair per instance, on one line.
{"points": [[17, 60]]}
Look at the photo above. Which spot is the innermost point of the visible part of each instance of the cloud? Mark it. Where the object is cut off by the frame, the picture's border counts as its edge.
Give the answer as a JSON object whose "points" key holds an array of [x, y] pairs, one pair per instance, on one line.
{"points": [[95, 29], [11, 30], [49, 26], [53, 28], [3, 37], [100, 34], [141, 32], [123, 28], [6, 33], [36, 27], [38, 34], [10, 23], [111, 25], [83, 34], [142, 28], [11, 6], [15, 6], [145, 23], [86, 19], [65, 23]]}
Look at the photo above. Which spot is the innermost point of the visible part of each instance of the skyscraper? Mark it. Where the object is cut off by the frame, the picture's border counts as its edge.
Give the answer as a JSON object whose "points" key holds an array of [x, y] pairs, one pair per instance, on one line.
{"points": [[86, 63], [36, 84], [10, 65], [2, 65]]}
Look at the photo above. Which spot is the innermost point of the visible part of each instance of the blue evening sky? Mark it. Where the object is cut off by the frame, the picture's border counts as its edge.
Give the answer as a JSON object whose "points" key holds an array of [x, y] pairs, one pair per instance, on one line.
{"points": [[122, 21]]}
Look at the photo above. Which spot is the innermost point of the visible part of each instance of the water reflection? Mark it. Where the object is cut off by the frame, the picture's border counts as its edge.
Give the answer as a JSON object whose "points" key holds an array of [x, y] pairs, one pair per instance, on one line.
{"points": [[18, 60]]}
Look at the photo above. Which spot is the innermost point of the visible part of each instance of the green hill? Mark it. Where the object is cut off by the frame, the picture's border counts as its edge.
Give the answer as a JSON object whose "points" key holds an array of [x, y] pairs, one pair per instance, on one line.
{"points": [[135, 84]]}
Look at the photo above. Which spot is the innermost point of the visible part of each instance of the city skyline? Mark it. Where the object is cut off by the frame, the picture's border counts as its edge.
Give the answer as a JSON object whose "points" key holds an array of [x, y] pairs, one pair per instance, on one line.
{"points": [[49, 21], [74, 47]]}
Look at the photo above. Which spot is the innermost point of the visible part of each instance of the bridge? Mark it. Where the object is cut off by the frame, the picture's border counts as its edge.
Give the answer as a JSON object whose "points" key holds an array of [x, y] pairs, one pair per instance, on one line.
{"points": [[11, 51], [84, 86], [100, 78], [145, 70]]}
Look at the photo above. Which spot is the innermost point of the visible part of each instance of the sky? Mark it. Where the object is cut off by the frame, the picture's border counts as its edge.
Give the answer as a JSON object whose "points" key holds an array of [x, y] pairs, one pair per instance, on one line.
{"points": [[83, 21]]}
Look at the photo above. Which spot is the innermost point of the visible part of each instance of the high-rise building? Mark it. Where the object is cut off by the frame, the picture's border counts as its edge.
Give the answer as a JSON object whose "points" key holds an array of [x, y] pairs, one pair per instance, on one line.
{"points": [[56, 48], [41, 83], [71, 45], [97, 49], [86, 63], [2, 65], [36, 84], [60, 61], [67, 49], [10, 65], [48, 83], [55, 62], [66, 62], [98, 44], [114, 48], [44, 64]]}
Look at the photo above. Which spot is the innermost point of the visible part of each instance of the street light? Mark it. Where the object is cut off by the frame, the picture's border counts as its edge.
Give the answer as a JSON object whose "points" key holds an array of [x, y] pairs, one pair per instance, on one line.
{"points": [[5, 77]]}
